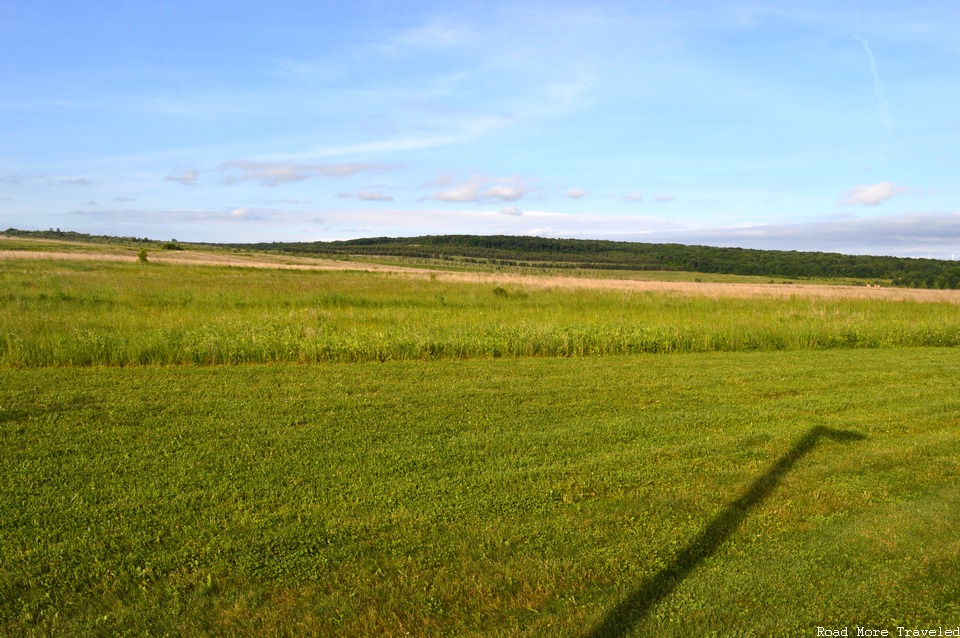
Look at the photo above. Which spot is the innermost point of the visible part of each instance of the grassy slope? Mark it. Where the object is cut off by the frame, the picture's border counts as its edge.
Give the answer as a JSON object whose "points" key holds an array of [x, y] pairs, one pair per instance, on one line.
{"points": [[129, 249], [520, 497]]}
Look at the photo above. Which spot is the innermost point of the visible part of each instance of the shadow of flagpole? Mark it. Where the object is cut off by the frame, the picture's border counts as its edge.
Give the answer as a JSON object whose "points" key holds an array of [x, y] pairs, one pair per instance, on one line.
{"points": [[639, 603]]}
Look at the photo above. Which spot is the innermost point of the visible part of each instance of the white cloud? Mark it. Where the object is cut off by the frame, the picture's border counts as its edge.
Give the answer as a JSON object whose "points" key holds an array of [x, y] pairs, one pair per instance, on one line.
{"points": [[633, 197], [367, 196], [576, 193], [444, 179], [504, 193], [276, 173], [478, 189], [187, 177], [664, 198], [912, 234], [511, 210], [870, 195], [463, 193]]}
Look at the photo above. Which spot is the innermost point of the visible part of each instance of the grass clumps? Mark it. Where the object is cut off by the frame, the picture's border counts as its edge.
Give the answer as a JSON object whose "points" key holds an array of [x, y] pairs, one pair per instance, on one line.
{"points": [[72, 313]]}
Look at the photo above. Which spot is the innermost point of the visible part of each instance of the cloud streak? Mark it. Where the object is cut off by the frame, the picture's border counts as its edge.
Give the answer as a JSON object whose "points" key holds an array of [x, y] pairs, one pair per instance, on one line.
{"points": [[187, 177], [367, 196], [276, 173], [883, 105]]}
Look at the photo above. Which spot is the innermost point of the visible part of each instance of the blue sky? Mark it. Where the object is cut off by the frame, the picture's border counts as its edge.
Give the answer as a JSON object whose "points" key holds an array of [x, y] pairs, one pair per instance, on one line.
{"points": [[797, 125]]}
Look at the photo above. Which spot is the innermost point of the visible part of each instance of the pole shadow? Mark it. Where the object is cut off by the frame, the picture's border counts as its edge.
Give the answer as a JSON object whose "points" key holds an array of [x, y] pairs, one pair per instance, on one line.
{"points": [[638, 604]]}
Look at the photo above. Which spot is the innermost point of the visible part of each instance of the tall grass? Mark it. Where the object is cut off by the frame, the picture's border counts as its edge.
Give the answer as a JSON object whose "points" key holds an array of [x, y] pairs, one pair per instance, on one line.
{"points": [[118, 314]]}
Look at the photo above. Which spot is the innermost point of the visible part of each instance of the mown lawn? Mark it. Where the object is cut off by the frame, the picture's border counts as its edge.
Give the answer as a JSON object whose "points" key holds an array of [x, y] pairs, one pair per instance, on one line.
{"points": [[525, 496]]}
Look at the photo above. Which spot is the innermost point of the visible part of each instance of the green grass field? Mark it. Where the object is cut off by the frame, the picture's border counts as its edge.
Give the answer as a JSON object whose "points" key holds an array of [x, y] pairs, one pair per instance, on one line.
{"points": [[765, 486], [87, 313]]}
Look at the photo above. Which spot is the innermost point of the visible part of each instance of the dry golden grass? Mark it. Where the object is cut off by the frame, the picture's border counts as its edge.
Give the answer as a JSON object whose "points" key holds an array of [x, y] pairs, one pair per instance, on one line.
{"points": [[709, 289]]}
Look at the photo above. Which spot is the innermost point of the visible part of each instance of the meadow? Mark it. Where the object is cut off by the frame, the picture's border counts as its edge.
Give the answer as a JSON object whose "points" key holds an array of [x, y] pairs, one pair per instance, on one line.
{"points": [[81, 313], [197, 450]]}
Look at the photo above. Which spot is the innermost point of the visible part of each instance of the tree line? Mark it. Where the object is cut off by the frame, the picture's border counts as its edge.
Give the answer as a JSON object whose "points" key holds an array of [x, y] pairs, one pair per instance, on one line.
{"points": [[523, 251]]}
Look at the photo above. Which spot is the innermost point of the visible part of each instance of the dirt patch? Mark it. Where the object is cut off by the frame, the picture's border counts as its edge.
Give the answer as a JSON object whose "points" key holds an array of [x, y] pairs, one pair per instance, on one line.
{"points": [[713, 289]]}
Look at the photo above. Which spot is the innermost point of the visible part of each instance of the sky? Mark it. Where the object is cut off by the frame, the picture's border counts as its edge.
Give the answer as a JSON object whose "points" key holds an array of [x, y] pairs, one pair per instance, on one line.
{"points": [[797, 125]]}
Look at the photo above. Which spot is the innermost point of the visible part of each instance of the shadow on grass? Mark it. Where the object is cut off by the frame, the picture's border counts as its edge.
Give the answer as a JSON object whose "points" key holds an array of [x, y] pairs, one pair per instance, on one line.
{"points": [[637, 605]]}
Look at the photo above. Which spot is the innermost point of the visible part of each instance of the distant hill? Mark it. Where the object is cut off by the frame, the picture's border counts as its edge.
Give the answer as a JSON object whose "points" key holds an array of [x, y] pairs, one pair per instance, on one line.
{"points": [[613, 255], [524, 251]]}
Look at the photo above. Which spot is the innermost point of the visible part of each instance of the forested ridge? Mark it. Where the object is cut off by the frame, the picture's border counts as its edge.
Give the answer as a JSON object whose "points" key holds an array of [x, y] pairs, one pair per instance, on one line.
{"points": [[525, 251]]}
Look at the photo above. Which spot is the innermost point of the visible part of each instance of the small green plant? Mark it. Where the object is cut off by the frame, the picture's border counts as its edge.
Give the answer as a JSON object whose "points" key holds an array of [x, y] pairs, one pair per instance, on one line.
{"points": [[142, 256]]}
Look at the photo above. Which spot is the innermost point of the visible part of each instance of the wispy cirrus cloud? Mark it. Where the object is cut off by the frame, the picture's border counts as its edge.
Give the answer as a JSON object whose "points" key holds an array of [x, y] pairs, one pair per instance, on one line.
{"points": [[870, 195], [188, 215], [433, 35], [49, 180], [454, 133], [883, 105]]}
